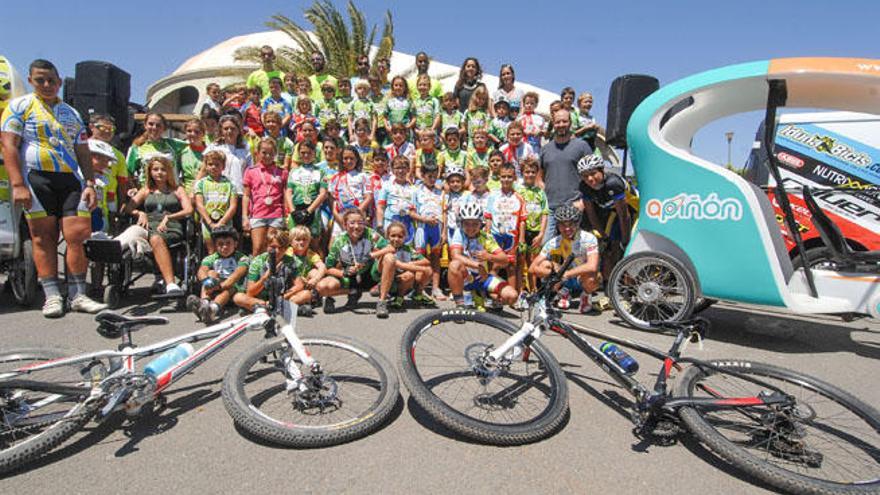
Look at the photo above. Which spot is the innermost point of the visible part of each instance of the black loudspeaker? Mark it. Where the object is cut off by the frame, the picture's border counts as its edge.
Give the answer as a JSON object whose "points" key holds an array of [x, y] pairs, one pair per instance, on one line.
{"points": [[68, 90], [101, 87], [625, 95]]}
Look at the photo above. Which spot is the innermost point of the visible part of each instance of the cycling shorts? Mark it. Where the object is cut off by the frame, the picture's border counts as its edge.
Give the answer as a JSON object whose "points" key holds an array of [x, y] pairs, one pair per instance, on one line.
{"points": [[427, 238], [489, 285], [55, 194]]}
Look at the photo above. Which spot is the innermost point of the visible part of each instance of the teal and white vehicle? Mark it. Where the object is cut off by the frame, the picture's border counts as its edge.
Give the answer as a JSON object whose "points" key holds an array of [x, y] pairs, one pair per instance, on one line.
{"points": [[706, 232]]}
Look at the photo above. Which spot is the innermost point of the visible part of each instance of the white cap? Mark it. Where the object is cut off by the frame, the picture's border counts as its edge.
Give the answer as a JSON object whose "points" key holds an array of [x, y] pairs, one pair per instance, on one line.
{"points": [[101, 148]]}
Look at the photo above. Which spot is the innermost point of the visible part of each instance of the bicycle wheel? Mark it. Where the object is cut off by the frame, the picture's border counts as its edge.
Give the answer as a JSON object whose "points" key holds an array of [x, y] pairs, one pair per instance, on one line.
{"points": [[41, 410], [521, 399], [828, 442], [357, 393], [650, 286]]}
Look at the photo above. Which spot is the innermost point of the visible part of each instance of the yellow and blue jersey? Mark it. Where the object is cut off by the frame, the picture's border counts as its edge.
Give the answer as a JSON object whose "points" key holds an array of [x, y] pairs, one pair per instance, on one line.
{"points": [[49, 133]]}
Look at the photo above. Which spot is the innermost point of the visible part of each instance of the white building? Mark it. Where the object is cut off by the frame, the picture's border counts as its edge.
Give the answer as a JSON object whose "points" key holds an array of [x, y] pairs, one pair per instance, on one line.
{"points": [[181, 91]]}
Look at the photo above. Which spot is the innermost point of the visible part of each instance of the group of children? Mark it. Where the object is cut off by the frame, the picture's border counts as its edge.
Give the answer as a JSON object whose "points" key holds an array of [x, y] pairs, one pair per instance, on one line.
{"points": [[377, 193]]}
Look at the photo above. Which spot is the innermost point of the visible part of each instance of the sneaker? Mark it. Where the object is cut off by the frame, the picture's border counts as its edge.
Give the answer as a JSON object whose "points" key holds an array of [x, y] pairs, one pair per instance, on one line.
{"points": [[353, 298], [522, 302], [53, 307], [216, 311], [193, 303], [586, 305], [479, 303], [329, 305], [84, 304], [396, 302], [173, 289], [382, 309], [563, 299], [305, 310], [374, 291], [424, 299], [438, 295]]}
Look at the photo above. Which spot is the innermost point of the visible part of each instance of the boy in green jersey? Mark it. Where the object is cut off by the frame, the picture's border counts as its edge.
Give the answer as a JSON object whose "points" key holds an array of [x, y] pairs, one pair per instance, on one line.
{"points": [[451, 116], [362, 108], [532, 236], [216, 200], [354, 261], [220, 275], [256, 294], [427, 108], [306, 191]]}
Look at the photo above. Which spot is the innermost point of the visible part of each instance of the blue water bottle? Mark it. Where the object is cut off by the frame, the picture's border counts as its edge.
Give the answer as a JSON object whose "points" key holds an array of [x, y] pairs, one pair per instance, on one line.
{"points": [[620, 357], [168, 359]]}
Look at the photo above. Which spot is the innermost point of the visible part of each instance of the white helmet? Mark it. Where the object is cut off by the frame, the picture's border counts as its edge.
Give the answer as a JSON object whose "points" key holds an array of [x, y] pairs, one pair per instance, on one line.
{"points": [[454, 170], [99, 147], [470, 211], [589, 163]]}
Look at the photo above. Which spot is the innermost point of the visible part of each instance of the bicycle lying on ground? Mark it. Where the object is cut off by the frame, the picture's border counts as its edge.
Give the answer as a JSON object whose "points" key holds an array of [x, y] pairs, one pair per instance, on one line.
{"points": [[487, 380], [292, 391]]}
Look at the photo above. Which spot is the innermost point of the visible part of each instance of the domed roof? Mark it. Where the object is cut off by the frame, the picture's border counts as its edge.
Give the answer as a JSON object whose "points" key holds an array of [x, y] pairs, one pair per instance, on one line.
{"points": [[218, 64]]}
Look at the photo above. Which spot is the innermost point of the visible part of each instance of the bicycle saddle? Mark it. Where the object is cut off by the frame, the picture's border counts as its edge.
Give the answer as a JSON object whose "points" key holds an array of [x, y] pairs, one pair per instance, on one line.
{"points": [[110, 322]]}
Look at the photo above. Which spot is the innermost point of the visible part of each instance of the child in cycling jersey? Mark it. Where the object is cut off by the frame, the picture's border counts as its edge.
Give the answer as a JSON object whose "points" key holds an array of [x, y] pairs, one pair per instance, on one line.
{"points": [[308, 268], [221, 275], [606, 198], [395, 200], [505, 212], [353, 262], [471, 250], [216, 201], [402, 268], [256, 294], [536, 210], [428, 212], [583, 275], [452, 201]]}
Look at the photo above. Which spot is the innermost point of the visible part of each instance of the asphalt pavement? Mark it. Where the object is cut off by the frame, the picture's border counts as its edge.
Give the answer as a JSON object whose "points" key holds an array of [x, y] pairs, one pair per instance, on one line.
{"points": [[193, 446]]}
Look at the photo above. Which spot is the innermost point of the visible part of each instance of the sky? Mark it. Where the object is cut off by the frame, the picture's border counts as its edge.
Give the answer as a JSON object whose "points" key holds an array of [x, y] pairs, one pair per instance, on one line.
{"points": [[552, 44]]}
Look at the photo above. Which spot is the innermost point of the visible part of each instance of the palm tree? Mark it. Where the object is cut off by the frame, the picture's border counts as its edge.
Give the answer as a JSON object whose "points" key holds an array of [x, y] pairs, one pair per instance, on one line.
{"points": [[340, 42]]}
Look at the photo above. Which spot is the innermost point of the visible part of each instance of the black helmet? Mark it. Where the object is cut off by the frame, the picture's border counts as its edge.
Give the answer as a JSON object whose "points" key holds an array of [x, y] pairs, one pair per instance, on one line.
{"points": [[567, 213], [224, 231]]}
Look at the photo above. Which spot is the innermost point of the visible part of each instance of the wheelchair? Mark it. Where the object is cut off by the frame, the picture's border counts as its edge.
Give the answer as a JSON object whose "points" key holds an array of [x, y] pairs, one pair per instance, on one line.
{"points": [[122, 268]]}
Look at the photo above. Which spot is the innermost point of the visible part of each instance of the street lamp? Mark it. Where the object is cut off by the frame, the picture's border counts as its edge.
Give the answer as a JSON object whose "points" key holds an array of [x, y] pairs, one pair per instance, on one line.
{"points": [[729, 136]]}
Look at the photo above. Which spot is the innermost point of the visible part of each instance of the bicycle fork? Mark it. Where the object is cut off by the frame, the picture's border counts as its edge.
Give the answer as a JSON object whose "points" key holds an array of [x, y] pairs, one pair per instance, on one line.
{"points": [[295, 380]]}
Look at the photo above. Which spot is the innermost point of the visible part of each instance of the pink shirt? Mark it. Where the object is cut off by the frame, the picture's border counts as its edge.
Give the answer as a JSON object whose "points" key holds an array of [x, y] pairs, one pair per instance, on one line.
{"points": [[267, 190]]}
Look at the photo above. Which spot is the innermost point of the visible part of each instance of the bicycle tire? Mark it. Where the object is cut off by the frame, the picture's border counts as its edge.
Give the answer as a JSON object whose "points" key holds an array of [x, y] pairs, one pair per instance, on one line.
{"points": [[424, 390], [820, 430], [20, 445], [651, 285], [246, 408]]}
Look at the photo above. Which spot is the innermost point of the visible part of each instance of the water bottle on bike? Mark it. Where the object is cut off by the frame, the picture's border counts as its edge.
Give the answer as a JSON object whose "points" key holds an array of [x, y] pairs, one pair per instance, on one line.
{"points": [[168, 359], [619, 356]]}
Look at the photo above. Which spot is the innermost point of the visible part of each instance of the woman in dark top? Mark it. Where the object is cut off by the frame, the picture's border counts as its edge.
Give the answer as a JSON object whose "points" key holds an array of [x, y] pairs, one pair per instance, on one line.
{"points": [[468, 81], [163, 207]]}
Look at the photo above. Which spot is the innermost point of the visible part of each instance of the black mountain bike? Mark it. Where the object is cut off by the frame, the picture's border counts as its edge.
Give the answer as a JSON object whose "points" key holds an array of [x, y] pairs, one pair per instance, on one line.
{"points": [[491, 381]]}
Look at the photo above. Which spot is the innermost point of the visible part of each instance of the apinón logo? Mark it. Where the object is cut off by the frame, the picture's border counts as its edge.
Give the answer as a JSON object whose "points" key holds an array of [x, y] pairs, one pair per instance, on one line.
{"points": [[693, 207]]}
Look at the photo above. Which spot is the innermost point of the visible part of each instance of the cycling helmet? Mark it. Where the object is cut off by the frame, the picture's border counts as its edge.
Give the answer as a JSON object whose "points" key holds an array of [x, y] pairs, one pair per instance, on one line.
{"points": [[454, 170], [470, 211], [98, 147], [567, 213], [589, 163]]}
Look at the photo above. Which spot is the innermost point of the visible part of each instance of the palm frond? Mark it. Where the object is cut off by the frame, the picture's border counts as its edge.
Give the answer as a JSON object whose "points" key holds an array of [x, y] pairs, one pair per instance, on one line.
{"points": [[247, 54], [341, 42], [386, 43]]}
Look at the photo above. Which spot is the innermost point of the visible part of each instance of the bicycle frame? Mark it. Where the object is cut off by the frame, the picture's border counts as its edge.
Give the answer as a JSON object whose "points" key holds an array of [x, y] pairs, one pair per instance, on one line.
{"points": [[123, 361], [544, 319]]}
